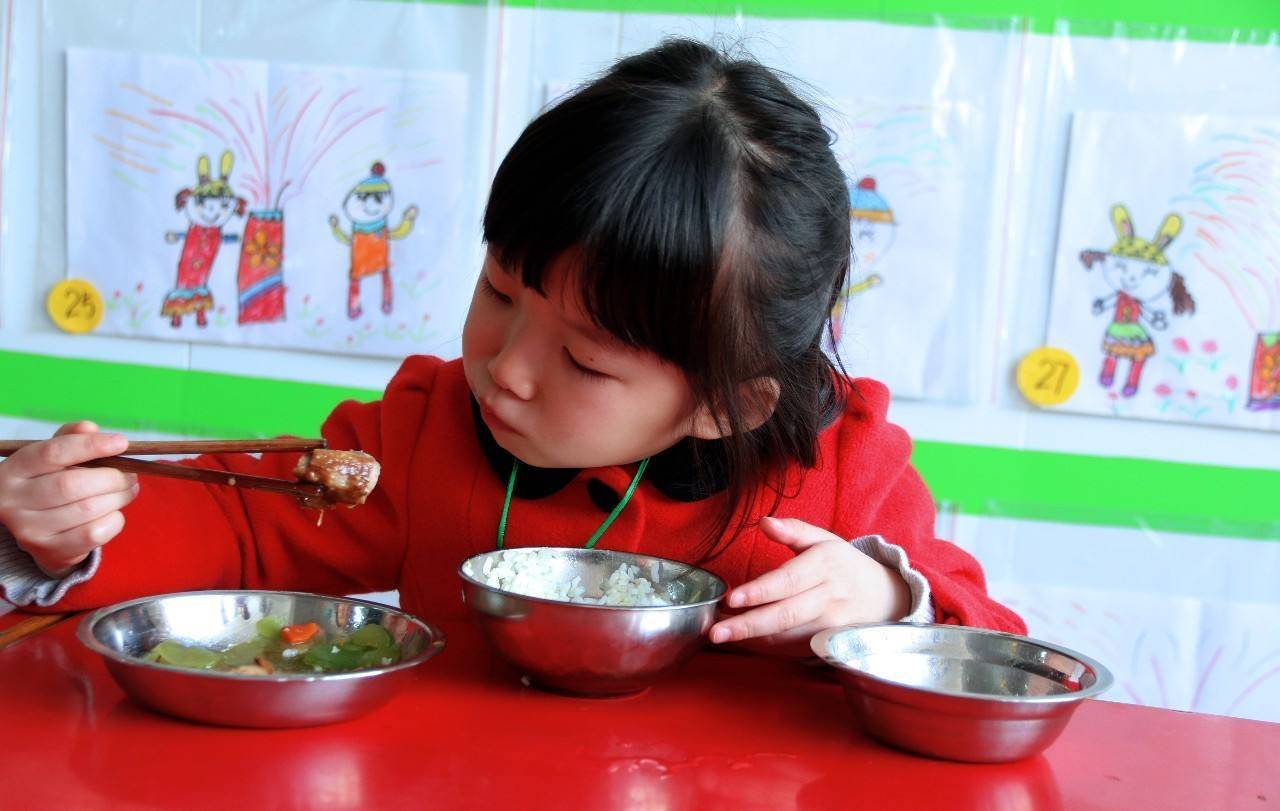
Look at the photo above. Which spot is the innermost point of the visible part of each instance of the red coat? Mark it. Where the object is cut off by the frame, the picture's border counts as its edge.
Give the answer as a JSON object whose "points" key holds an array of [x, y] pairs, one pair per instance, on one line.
{"points": [[439, 499]]}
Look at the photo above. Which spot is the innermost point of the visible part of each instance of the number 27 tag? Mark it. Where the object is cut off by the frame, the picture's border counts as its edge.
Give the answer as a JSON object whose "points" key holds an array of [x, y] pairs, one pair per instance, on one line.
{"points": [[75, 305], [1048, 376]]}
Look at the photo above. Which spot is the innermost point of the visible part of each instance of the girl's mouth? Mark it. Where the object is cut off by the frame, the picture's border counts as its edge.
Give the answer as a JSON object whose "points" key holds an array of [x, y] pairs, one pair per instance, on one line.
{"points": [[496, 423]]}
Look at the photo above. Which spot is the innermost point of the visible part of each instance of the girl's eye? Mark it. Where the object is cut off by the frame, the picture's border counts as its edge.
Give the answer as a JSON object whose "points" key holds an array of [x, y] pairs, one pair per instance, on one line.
{"points": [[1150, 271], [492, 291], [587, 372]]}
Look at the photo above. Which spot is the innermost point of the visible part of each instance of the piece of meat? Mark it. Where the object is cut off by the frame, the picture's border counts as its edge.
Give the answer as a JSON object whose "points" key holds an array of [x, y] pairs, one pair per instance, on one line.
{"points": [[348, 477]]}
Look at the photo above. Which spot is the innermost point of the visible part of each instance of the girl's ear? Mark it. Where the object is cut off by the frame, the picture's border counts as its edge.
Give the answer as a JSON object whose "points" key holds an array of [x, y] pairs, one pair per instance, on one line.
{"points": [[758, 398], [1168, 230], [226, 162], [1120, 219], [202, 168]]}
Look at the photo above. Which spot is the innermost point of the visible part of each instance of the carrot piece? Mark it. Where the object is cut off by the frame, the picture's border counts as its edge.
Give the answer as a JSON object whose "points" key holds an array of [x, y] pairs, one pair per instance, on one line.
{"points": [[297, 634]]}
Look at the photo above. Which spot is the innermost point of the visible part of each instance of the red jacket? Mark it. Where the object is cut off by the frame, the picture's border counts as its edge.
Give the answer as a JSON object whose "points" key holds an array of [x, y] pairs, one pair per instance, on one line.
{"points": [[439, 499]]}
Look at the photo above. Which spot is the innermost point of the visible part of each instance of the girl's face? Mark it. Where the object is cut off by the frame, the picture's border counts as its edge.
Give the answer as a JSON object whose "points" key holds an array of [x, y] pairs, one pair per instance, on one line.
{"points": [[1136, 278], [368, 206], [212, 212], [556, 390]]}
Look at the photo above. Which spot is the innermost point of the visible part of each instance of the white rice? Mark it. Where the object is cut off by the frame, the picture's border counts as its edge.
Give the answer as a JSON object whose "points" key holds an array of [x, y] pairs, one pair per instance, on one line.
{"points": [[533, 574]]}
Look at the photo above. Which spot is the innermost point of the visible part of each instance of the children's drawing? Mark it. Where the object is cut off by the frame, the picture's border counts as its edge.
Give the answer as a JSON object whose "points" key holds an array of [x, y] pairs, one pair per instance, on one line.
{"points": [[1139, 274], [907, 204], [367, 206], [209, 205], [1233, 199], [1194, 330], [871, 233], [300, 139]]}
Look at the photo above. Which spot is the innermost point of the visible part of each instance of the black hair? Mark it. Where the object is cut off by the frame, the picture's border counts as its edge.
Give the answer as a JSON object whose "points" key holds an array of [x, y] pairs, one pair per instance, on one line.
{"points": [[712, 220]]}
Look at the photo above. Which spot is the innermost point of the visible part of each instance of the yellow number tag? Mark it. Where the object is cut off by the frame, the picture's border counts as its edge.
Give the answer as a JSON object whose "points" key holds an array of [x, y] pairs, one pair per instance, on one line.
{"points": [[1048, 376], [75, 306]]}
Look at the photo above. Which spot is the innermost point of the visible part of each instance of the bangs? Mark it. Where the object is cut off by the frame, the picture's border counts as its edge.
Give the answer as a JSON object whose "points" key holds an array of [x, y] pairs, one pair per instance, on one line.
{"points": [[642, 189]]}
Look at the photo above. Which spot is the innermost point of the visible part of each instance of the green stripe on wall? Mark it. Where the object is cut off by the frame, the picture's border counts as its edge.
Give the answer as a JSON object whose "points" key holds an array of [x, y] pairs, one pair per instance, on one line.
{"points": [[1103, 491], [1144, 19], [133, 397], [977, 480]]}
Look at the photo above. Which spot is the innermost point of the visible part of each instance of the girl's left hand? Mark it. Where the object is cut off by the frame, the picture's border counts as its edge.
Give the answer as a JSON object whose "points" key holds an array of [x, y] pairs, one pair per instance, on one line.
{"points": [[827, 583]]}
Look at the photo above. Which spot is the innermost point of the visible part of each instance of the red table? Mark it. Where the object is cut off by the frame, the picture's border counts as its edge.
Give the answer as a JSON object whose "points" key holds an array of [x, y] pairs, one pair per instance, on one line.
{"points": [[729, 731]]}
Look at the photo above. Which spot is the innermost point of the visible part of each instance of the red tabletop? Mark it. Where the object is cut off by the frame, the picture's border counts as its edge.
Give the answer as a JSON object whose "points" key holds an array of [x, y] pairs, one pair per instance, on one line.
{"points": [[728, 731]]}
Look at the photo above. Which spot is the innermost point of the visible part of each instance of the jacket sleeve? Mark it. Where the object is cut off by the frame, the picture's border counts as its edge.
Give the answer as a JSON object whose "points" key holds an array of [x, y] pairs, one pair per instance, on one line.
{"points": [[181, 535], [880, 493]]}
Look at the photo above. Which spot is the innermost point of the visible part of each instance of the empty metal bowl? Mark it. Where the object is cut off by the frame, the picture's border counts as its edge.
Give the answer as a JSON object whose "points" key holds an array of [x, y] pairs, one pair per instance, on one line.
{"points": [[959, 693], [124, 632], [591, 649]]}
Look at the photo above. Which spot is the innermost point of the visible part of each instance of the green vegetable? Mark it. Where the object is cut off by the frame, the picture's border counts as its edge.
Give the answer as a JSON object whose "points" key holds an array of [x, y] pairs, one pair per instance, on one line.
{"points": [[369, 646], [371, 636], [269, 627], [175, 653], [243, 653], [333, 657]]}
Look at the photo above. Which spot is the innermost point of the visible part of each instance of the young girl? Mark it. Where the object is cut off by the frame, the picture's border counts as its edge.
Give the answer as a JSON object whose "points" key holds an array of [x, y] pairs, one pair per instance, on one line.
{"points": [[209, 206], [664, 249]]}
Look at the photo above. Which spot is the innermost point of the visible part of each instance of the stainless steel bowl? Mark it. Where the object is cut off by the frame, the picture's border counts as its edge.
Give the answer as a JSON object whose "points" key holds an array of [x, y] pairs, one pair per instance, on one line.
{"points": [[122, 633], [959, 693], [595, 649]]}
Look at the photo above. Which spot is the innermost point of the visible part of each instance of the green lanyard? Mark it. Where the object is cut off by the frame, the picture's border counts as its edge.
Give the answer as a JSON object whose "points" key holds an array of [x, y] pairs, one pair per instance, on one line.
{"points": [[595, 536]]}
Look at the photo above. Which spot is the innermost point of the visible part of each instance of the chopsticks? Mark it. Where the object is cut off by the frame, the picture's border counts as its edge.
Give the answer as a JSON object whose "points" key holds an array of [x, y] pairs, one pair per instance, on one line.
{"points": [[29, 627], [184, 446], [311, 495]]}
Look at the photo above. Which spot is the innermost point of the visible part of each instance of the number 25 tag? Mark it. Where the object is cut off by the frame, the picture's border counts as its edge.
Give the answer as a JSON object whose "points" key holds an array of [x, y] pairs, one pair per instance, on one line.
{"points": [[1048, 376], [75, 305]]}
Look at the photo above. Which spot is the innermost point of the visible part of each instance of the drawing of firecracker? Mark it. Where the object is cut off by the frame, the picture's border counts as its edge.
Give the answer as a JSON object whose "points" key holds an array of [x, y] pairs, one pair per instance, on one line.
{"points": [[260, 278], [1264, 384]]}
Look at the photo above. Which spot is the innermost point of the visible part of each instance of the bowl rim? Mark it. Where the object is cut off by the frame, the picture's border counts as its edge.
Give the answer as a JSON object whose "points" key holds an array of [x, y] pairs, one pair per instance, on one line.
{"points": [[820, 643], [466, 578], [84, 632]]}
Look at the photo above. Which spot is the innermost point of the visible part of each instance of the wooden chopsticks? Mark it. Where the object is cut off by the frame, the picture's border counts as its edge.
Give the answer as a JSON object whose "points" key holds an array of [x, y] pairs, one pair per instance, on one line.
{"points": [[29, 627], [184, 446], [311, 495]]}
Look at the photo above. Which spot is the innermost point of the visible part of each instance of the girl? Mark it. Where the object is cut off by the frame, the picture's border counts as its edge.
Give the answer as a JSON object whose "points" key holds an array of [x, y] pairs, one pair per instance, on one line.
{"points": [[209, 206], [664, 249], [1140, 275]]}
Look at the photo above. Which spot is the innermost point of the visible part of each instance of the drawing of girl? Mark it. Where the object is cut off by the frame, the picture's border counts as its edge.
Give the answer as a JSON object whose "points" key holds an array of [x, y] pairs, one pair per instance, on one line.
{"points": [[209, 205], [1139, 274]]}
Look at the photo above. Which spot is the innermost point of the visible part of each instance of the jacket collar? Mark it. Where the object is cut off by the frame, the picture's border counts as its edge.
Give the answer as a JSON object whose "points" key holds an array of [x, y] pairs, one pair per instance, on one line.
{"points": [[672, 472]]}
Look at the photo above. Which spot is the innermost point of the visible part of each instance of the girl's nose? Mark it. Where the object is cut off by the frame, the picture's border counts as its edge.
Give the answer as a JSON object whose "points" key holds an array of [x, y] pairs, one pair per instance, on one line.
{"points": [[513, 368]]}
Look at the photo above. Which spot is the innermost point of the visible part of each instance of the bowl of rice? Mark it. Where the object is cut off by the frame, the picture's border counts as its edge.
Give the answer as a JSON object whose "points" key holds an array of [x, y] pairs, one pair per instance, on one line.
{"points": [[590, 621]]}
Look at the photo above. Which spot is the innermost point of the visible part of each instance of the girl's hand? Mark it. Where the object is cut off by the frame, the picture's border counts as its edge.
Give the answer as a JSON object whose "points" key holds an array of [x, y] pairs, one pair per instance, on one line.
{"points": [[827, 583], [59, 513]]}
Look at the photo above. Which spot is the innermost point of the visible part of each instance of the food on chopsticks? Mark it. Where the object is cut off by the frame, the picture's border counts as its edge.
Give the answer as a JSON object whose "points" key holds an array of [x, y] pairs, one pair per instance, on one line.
{"points": [[345, 477], [323, 478], [280, 648]]}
